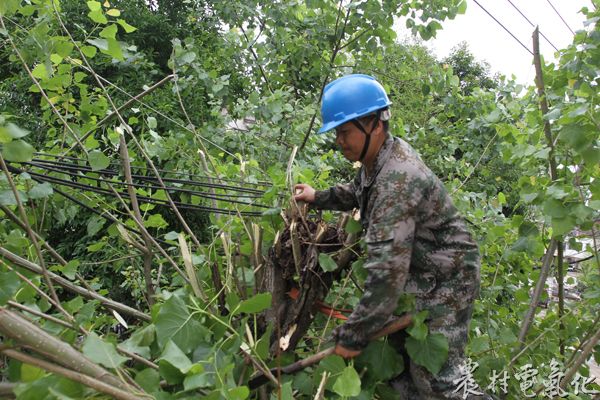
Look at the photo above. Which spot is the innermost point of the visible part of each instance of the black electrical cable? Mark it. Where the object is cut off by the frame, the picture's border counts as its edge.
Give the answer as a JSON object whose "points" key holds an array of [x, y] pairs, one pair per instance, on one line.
{"points": [[206, 195], [532, 24], [144, 199], [85, 168], [506, 29], [258, 183], [560, 16], [77, 185]]}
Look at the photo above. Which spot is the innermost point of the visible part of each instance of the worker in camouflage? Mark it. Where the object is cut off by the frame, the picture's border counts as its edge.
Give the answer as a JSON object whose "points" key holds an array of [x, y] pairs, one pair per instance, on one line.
{"points": [[416, 243]]}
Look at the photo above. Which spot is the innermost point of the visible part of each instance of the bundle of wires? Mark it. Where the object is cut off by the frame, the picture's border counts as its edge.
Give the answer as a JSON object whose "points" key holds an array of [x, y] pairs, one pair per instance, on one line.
{"points": [[240, 198]]}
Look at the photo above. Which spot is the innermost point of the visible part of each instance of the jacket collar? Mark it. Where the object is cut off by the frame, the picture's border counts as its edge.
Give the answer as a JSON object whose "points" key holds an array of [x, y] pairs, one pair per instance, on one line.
{"points": [[382, 157]]}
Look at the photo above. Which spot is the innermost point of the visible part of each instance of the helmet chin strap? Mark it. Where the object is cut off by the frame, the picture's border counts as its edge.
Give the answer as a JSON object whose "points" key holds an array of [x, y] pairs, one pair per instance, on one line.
{"points": [[367, 134]]}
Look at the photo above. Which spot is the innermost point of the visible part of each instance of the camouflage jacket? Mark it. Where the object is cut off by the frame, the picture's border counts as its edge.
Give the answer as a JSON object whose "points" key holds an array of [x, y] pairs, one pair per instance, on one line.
{"points": [[416, 242]]}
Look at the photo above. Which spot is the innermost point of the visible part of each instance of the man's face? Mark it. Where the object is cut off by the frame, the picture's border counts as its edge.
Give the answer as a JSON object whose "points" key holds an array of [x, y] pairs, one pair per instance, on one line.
{"points": [[351, 141]]}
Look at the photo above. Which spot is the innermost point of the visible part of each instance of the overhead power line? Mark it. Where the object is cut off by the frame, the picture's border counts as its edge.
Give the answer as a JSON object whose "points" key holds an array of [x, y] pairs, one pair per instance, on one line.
{"points": [[505, 28], [560, 16], [532, 24]]}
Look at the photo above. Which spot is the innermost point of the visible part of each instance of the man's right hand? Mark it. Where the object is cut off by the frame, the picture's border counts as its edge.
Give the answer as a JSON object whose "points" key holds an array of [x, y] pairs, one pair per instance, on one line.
{"points": [[304, 192]]}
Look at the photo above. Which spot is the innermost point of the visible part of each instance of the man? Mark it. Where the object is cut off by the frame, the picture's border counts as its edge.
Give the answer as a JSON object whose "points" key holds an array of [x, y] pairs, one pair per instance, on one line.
{"points": [[416, 241]]}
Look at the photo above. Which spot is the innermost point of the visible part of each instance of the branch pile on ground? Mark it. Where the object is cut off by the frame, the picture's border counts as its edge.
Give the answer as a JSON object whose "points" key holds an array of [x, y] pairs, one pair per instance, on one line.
{"points": [[296, 280]]}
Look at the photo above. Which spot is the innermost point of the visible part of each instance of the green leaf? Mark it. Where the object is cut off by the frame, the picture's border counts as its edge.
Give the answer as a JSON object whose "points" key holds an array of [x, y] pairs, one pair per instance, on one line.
{"points": [[177, 358], [555, 208], [197, 381], [40, 71], [381, 360], [113, 12], [10, 132], [9, 7], [254, 305], [98, 160], [418, 329], [353, 226], [148, 379], [327, 263], [17, 151], [9, 284], [95, 223], [92, 248], [175, 323], [501, 198], [109, 32], [128, 28], [139, 342], [556, 191], [454, 81], [70, 269], [171, 235], [98, 17], [462, 7], [334, 364], [102, 352], [64, 49], [430, 353], [151, 122], [561, 226], [29, 373], [348, 383], [94, 5], [89, 52], [114, 49], [101, 44], [155, 221], [576, 136], [287, 392], [40, 191], [238, 393], [7, 198]]}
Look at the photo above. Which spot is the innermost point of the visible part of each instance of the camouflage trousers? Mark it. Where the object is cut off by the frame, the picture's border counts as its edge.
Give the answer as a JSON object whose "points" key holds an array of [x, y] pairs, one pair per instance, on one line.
{"points": [[417, 383]]}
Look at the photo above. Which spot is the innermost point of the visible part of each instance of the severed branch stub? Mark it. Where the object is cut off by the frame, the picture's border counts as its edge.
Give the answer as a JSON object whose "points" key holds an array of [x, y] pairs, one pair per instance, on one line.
{"points": [[293, 276], [394, 326]]}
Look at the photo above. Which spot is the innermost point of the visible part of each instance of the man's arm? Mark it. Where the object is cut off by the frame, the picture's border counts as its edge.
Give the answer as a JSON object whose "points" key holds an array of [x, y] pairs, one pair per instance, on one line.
{"points": [[340, 197]]}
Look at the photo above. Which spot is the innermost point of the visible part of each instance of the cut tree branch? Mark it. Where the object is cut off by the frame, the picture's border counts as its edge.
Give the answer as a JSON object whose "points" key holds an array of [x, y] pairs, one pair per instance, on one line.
{"points": [[72, 375], [25, 333], [88, 294]]}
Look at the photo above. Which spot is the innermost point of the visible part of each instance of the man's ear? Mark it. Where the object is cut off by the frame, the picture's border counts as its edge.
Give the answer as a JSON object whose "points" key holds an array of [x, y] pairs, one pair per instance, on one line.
{"points": [[380, 127]]}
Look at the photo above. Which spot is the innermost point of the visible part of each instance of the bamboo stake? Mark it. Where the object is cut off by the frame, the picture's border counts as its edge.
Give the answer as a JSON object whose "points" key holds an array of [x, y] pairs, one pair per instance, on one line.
{"points": [[561, 294], [134, 139], [189, 268], [147, 249], [539, 287], [539, 81], [585, 353]]}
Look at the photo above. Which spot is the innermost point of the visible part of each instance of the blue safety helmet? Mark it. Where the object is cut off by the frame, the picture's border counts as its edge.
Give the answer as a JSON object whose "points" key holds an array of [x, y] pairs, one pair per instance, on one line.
{"points": [[350, 97]]}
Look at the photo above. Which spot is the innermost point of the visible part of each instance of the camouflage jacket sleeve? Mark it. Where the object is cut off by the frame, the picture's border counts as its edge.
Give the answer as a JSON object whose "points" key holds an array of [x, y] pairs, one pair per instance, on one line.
{"points": [[394, 204], [340, 197]]}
